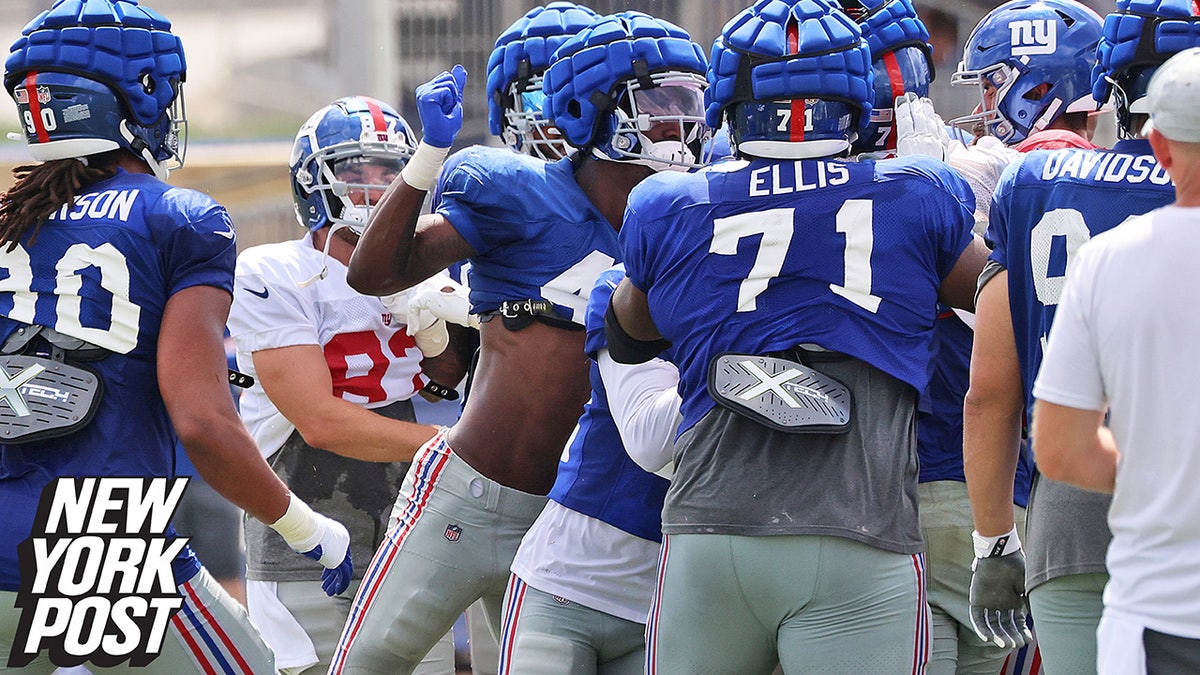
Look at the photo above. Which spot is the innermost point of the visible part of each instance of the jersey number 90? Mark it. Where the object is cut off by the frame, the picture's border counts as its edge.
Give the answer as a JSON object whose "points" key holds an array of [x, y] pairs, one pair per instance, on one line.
{"points": [[121, 335]]}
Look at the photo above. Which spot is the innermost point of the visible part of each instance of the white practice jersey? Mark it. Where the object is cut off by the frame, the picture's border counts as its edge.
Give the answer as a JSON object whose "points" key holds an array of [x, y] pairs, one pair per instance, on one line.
{"points": [[372, 359]]}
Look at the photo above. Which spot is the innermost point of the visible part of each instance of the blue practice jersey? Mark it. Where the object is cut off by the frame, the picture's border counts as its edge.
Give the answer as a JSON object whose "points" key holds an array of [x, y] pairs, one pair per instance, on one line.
{"points": [[940, 418], [102, 270], [1044, 208], [596, 477], [535, 233], [758, 257]]}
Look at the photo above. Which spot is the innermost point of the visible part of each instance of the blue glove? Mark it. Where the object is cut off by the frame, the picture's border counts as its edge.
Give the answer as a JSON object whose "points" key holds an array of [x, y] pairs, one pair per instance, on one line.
{"points": [[333, 551], [334, 580], [439, 103], [318, 537]]}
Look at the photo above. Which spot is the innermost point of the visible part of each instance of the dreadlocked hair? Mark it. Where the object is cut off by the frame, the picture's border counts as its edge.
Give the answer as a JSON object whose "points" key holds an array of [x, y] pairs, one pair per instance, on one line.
{"points": [[42, 189]]}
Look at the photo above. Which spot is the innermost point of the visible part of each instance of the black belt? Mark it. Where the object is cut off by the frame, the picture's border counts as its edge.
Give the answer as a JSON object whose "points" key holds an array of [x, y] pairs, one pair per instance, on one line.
{"points": [[519, 314]]}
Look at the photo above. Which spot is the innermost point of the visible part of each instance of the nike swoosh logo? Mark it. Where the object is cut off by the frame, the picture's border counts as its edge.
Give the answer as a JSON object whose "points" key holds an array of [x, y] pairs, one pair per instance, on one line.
{"points": [[262, 294], [228, 234]]}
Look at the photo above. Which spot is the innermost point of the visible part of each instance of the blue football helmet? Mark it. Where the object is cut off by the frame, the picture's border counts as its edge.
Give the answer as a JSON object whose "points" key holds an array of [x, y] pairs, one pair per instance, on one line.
{"points": [[514, 77], [90, 76], [1032, 61], [1138, 38], [344, 157], [626, 78], [792, 78], [902, 60]]}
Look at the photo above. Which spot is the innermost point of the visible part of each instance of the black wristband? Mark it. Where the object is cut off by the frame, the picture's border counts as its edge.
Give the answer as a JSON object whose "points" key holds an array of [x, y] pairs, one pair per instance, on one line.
{"points": [[239, 379], [441, 391], [626, 349]]}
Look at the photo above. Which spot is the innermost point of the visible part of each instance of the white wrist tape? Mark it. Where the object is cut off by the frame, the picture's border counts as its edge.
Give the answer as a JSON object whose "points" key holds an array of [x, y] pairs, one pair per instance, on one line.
{"points": [[991, 547], [422, 168], [299, 525]]}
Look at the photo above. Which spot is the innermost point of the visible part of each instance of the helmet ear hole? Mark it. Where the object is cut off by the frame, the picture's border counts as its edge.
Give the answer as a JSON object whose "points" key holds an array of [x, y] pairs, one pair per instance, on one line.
{"points": [[1038, 92]]}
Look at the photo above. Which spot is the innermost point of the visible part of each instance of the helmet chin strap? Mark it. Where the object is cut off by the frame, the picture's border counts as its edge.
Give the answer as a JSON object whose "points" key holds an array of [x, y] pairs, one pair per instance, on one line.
{"points": [[324, 257], [668, 155], [353, 217], [142, 150]]}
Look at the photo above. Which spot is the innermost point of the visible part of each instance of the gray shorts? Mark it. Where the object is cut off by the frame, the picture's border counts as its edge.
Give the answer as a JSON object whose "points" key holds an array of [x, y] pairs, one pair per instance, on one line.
{"points": [[733, 604], [452, 539], [546, 634], [211, 633]]}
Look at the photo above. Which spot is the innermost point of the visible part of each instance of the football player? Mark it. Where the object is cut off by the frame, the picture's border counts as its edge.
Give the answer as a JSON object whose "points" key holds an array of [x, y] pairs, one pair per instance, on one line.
{"points": [[515, 72], [537, 235], [340, 435], [584, 576], [137, 292], [1031, 61], [901, 56], [584, 573], [1044, 208], [1115, 400], [797, 291]]}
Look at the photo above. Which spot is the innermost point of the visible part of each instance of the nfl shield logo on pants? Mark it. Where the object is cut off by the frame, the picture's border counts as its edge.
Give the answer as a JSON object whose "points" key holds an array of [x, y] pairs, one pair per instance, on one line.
{"points": [[453, 532]]}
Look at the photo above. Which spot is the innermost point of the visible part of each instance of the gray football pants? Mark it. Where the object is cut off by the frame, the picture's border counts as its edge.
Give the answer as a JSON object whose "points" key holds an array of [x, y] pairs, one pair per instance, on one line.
{"points": [[739, 605], [453, 537]]}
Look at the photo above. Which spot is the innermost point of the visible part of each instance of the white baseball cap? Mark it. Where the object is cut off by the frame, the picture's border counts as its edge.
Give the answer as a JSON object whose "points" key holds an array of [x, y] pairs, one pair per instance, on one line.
{"points": [[1173, 98]]}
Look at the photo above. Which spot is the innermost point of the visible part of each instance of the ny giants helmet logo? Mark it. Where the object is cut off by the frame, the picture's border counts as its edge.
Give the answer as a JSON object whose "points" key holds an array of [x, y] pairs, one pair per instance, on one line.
{"points": [[1031, 37], [371, 133]]}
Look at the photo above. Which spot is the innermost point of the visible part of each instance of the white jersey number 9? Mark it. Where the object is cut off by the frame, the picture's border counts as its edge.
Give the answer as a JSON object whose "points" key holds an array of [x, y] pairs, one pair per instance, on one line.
{"points": [[122, 334], [1067, 223]]}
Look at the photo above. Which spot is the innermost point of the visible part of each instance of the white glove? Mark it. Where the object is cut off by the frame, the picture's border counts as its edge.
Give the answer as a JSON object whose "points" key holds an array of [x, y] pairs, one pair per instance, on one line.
{"points": [[982, 164], [427, 330], [920, 130], [445, 299]]}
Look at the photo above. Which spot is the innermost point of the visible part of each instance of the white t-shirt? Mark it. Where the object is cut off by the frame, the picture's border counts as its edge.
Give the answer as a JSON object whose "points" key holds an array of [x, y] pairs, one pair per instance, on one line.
{"points": [[371, 358], [1126, 334], [584, 559]]}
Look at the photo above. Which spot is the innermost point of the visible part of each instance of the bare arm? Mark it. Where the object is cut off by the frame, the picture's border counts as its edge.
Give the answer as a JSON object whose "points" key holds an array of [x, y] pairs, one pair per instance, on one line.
{"points": [[297, 381], [400, 249], [1072, 445], [633, 312], [958, 288], [992, 412], [397, 251], [195, 389]]}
